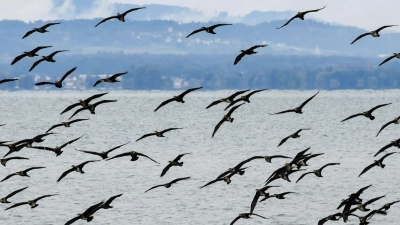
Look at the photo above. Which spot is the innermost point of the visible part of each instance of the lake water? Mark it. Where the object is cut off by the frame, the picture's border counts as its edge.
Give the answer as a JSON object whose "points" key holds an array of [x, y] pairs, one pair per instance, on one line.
{"points": [[253, 132]]}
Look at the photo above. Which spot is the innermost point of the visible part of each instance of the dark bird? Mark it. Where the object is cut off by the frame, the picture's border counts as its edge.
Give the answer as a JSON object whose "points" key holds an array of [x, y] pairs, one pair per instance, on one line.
{"points": [[65, 124], [209, 30], [364, 219], [227, 99], [120, 17], [78, 168], [87, 215], [226, 178], [5, 199], [394, 143], [294, 135], [5, 160], [363, 207], [17, 146], [167, 185], [5, 81], [282, 175], [41, 29], [386, 207], [303, 162], [245, 216], [376, 163], [278, 196], [106, 205], [83, 103], [48, 58], [395, 55], [57, 83], [249, 51], [245, 98], [112, 79], [226, 118], [259, 192], [353, 199], [104, 155], [23, 173], [317, 172], [300, 15], [269, 158], [333, 217], [374, 33], [174, 162], [134, 156], [29, 54], [57, 149], [367, 114], [31, 203], [298, 109], [394, 121], [91, 108], [158, 133], [178, 98]]}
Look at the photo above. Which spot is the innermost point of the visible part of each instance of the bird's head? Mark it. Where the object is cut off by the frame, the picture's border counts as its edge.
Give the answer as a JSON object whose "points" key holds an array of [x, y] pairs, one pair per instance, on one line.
{"points": [[25, 53]]}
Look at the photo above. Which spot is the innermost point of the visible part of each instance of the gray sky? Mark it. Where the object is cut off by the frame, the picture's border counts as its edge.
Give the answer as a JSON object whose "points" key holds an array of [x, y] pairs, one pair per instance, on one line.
{"points": [[367, 14]]}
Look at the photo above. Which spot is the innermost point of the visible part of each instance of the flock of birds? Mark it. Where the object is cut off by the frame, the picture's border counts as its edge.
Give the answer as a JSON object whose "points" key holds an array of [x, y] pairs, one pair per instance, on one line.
{"points": [[293, 166]]}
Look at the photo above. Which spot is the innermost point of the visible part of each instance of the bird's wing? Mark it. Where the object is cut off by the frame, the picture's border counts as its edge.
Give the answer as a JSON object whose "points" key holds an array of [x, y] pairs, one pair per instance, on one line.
{"points": [[179, 179], [84, 163], [322, 221], [108, 18], [233, 109], [97, 82], [8, 176], [284, 140], [15, 192], [262, 216], [180, 156], [77, 111], [195, 31], [239, 57], [89, 152], [164, 103], [359, 192], [257, 46], [234, 221], [367, 168], [7, 80], [165, 170], [117, 147], [303, 175], [77, 120], [17, 59], [169, 129], [154, 187], [211, 182], [287, 22], [329, 164], [381, 28], [34, 168], [134, 9], [70, 142], [39, 48], [315, 10], [247, 160], [44, 83], [92, 209], [369, 215], [73, 220], [304, 103], [54, 126], [220, 24], [68, 73], [43, 148], [102, 101], [49, 24], [286, 111], [44, 196], [65, 174], [214, 103], [141, 154], [361, 36], [385, 125], [112, 199], [36, 63], [280, 156], [223, 174], [372, 200], [384, 148], [70, 107], [54, 53], [253, 92], [217, 126], [352, 116], [16, 205], [188, 91], [113, 77], [16, 157], [381, 159], [254, 202], [94, 96], [233, 102], [120, 155], [377, 107], [384, 61], [28, 33], [146, 135]]}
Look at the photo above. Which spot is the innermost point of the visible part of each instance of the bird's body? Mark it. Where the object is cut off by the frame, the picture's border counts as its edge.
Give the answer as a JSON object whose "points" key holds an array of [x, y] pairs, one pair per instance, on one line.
{"points": [[374, 33], [111, 79], [57, 149], [120, 17], [377, 163], [298, 109], [58, 83], [78, 168], [245, 216], [249, 51], [31, 203], [48, 58], [41, 29], [134, 156], [318, 172], [23, 173], [31, 53], [294, 135], [65, 124], [158, 133], [167, 185], [300, 15], [104, 154], [245, 98], [178, 98], [209, 30], [174, 162], [367, 114]]}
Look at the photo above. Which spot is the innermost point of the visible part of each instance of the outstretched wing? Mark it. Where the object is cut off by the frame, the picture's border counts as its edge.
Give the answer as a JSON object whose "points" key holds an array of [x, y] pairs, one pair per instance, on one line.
{"points": [[154, 187], [39, 48], [134, 9], [211, 182], [102, 101], [367, 168], [89, 152], [43, 83], [218, 25], [385, 125], [44, 196], [117, 147], [49, 24], [188, 91], [286, 111], [169, 129], [381, 159], [233, 109], [304, 103], [146, 157], [36, 63], [34, 168], [65, 174], [94, 96], [77, 111], [329, 164], [262, 216], [384, 148], [254, 202], [179, 179], [233, 102], [28, 33], [113, 77], [16, 205], [303, 175], [284, 140], [70, 142], [70, 107], [196, 31], [73, 220], [8, 176], [54, 126], [165, 170], [164, 103], [234, 221], [214, 103], [294, 17], [68, 73], [381, 28], [352, 116], [386, 60], [146, 135], [377, 107], [17, 59], [54, 53], [97, 82], [112, 199], [217, 127], [120, 155], [15, 192], [239, 57], [104, 20], [361, 36]]}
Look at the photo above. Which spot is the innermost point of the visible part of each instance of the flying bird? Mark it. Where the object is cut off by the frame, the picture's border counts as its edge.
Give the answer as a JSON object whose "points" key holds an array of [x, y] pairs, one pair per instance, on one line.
{"points": [[57, 83], [294, 135], [209, 30], [376, 163], [245, 98], [367, 114], [178, 98], [41, 29], [386, 207], [134, 156], [83, 103], [87, 215], [333, 217], [31, 53], [394, 121], [65, 124], [298, 109], [48, 58], [226, 118], [5, 160], [374, 33], [353, 199], [394, 143], [91, 108], [278, 196], [245, 216], [5, 199], [300, 15], [158, 133], [57, 149], [104, 155], [7, 80], [363, 207], [78, 168], [120, 17], [228, 99], [23, 173], [259, 192], [31, 203], [249, 51], [363, 220], [112, 79], [226, 178], [167, 185], [395, 55], [174, 162], [318, 172], [106, 205]]}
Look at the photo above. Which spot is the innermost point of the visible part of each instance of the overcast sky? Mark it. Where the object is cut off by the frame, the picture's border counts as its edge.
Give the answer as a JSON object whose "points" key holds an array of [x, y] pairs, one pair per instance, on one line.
{"points": [[367, 14]]}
